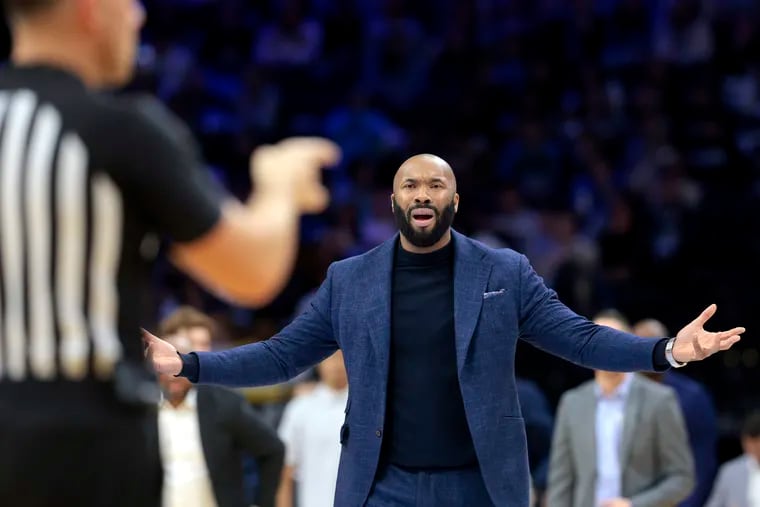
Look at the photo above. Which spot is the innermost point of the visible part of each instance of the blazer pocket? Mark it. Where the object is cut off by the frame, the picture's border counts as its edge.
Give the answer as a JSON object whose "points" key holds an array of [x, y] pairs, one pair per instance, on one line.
{"points": [[494, 293]]}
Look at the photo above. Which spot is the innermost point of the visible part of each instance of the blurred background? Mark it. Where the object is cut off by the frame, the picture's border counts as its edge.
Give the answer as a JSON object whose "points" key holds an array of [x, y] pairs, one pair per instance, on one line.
{"points": [[616, 143]]}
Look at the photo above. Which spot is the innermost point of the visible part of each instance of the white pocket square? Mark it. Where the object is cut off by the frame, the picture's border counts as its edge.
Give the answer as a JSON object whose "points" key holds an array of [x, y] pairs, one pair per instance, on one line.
{"points": [[494, 293]]}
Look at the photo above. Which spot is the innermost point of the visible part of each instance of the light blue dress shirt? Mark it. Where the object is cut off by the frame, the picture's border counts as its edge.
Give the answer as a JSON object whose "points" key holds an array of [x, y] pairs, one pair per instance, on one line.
{"points": [[610, 413]]}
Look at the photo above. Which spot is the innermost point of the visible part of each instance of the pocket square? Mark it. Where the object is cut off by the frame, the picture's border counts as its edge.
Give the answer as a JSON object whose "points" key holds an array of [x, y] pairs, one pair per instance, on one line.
{"points": [[494, 293]]}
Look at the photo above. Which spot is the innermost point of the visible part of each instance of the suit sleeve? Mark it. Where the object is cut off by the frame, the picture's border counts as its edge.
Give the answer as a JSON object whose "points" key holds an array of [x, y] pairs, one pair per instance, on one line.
{"points": [[676, 462], [561, 482], [263, 444], [300, 345], [548, 324]]}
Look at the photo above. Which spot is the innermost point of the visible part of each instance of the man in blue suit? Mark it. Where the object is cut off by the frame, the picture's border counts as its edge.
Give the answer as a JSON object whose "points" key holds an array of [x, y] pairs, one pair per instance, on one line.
{"points": [[698, 413], [428, 324]]}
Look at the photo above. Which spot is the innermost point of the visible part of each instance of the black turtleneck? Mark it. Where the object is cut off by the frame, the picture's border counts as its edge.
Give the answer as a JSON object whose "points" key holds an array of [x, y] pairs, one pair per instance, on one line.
{"points": [[426, 425]]}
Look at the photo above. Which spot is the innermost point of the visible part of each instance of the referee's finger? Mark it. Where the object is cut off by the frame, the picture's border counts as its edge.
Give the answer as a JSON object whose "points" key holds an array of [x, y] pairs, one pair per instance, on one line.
{"points": [[321, 151]]}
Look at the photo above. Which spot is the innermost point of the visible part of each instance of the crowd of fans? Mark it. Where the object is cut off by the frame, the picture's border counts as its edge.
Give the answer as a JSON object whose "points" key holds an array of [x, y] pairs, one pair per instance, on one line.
{"points": [[614, 142]]}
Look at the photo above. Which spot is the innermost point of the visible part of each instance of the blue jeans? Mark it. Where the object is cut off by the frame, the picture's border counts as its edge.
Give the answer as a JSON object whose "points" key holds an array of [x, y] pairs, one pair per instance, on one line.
{"points": [[397, 487]]}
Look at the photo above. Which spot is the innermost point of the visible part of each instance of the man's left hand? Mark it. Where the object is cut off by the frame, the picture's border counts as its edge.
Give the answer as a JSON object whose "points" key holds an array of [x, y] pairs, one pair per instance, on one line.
{"points": [[694, 343]]}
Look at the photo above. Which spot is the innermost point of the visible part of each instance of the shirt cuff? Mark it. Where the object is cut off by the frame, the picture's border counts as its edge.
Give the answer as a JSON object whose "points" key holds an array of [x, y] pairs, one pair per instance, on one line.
{"points": [[658, 356], [191, 367]]}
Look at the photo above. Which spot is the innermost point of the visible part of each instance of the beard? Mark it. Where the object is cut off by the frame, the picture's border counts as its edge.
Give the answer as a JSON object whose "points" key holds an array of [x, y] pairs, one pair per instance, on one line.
{"points": [[424, 238]]}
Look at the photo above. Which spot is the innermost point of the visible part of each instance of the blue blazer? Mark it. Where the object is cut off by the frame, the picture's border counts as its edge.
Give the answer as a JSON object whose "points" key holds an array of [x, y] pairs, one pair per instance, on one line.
{"points": [[539, 428], [498, 298]]}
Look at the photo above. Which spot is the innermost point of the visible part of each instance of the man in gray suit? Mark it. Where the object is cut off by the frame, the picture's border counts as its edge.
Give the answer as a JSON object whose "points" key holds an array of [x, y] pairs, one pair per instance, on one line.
{"points": [[738, 483], [619, 441]]}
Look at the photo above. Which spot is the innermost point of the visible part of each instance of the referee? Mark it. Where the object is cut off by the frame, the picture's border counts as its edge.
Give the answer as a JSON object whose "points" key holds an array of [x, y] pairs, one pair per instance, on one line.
{"points": [[87, 182]]}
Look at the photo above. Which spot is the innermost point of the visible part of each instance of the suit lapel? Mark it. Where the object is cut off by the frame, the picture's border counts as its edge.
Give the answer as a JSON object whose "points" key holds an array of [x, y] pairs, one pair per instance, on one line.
{"points": [[376, 287], [207, 411], [205, 423], [470, 281], [630, 421]]}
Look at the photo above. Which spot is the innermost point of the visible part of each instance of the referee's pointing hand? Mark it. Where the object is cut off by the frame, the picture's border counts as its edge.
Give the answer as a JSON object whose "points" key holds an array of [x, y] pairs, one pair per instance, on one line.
{"points": [[292, 168]]}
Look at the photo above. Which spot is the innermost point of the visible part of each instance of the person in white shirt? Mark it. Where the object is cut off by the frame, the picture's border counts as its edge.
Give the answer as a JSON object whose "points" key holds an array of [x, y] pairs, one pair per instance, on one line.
{"points": [[186, 480], [738, 482], [619, 441], [311, 431], [204, 430]]}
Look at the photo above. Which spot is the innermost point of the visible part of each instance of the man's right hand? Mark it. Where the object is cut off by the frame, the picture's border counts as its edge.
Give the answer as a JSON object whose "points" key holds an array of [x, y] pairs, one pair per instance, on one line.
{"points": [[291, 169], [162, 354]]}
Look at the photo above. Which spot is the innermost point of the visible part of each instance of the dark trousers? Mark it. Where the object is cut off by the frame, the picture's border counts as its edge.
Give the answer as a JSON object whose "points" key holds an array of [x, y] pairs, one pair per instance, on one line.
{"points": [[397, 487], [77, 454]]}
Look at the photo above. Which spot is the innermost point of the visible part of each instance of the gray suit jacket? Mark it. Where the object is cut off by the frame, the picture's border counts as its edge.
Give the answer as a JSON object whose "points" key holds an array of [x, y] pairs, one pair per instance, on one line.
{"points": [[657, 468], [731, 486]]}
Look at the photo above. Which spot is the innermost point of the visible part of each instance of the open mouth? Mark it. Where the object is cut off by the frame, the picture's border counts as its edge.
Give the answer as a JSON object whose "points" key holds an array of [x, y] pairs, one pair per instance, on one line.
{"points": [[423, 217]]}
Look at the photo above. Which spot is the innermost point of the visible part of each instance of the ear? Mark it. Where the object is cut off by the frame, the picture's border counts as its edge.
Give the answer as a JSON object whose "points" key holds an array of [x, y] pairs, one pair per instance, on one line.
{"points": [[393, 207], [456, 202]]}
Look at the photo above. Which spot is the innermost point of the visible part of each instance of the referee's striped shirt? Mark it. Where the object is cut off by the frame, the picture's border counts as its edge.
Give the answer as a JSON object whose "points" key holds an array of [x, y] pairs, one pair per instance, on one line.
{"points": [[85, 180]]}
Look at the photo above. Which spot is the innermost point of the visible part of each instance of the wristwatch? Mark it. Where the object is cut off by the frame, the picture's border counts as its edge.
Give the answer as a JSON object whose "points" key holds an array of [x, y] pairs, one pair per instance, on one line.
{"points": [[669, 354]]}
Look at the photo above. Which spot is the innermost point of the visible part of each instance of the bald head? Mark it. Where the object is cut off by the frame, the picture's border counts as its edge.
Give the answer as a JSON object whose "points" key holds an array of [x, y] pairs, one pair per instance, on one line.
{"points": [[424, 202], [650, 328], [432, 165]]}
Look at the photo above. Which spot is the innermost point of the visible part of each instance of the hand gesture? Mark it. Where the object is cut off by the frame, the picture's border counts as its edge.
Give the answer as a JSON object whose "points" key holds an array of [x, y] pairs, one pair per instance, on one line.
{"points": [[163, 355], [694, 343]]}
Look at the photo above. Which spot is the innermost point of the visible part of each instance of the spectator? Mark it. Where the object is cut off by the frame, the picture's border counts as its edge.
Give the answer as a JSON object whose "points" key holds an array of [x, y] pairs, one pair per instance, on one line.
{"points": [[311, 430], [619, 441], [203, 431], [698, 413], [738, 483]]}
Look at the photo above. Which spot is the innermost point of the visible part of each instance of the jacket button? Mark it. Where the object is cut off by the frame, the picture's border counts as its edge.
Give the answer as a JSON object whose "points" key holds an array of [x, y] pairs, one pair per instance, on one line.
{"points": [[379, 433]]}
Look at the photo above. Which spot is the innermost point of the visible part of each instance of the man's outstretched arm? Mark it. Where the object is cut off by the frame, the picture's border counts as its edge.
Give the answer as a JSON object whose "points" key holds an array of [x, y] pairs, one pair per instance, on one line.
{"points": [[551, 326], [303, 343]]}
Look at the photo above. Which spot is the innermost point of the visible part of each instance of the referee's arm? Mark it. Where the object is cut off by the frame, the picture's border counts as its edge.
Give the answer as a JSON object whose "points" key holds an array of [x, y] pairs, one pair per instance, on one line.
{"points": [[243, 252]]}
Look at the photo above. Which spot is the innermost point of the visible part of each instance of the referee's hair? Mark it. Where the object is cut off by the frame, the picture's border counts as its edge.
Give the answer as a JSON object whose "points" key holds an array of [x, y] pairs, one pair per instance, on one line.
{"points": [[14, 8]]}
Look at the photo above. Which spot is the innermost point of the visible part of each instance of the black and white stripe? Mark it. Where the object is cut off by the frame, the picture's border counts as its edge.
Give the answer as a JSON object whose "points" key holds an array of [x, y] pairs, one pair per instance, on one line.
{"points": [[60, 245]]}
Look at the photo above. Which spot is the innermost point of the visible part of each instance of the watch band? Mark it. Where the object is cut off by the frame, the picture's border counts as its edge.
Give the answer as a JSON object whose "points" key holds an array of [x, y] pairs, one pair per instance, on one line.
{"points": [[669, 354]]}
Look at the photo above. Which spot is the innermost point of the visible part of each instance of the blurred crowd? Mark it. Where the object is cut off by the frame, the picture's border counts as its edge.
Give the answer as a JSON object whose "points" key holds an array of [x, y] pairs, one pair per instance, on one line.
{"points": [[614, 142]]}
